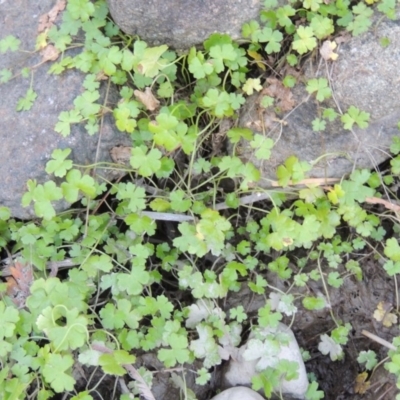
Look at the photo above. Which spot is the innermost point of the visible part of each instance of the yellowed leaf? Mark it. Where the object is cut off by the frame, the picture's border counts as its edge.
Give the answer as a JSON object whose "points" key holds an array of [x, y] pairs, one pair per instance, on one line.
{"points": [[147, 99], [327, 49], [257, 57], [383, 314], [362, 383]]}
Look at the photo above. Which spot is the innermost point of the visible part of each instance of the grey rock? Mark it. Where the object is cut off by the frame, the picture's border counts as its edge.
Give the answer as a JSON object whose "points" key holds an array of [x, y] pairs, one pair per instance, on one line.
{"points": [[28, 137], [244, 365], [238, 393], [366, 76], [182, 23]]}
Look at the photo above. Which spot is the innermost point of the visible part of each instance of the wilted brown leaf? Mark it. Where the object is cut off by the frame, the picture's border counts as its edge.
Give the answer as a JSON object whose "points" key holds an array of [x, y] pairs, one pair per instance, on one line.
{"points": [[46, 21], [19, 283], [49, 53], [281, 93], [121, 154], [147, 99]]}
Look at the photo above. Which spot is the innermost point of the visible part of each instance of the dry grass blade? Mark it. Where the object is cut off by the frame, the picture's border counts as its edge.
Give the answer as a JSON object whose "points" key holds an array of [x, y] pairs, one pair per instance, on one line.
{"points": [[140, 383]]}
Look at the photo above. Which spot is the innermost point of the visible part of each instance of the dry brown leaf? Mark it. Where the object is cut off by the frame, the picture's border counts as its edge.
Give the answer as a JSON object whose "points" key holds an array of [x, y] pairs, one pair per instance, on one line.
{"points": [[327, 49], [343, 37], [49, 53], [19, 283], [121, 154], [147, 99], [46, 21], [383, 314], [277, 90], [362, 383]]}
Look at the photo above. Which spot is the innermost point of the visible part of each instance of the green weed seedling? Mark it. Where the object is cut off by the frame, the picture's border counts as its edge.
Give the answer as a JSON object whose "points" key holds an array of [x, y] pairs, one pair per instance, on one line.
{"points": [[98, 285]]}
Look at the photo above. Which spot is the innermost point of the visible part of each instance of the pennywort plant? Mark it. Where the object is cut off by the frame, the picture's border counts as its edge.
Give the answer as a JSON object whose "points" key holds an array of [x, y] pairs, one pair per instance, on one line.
{"points": [[147, 263]]}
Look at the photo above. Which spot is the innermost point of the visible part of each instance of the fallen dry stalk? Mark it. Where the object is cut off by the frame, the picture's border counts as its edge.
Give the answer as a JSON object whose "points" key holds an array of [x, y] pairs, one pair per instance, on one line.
{"points": [[379, 340]]}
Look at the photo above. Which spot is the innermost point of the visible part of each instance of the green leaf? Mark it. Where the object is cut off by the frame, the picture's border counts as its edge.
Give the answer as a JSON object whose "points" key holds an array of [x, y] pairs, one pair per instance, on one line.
{"points": [[313, 393], [312, 5], [238, 314], [273, 37], [59, 165], [263, 146], [392, 249], [25, 103], [266, 318], [147, 163], [95, 263], [218, 102], [9, 316], [314, 303], [212, 228], [236, 134], [394, 365], [190, 241], [179, 201], [203, 376], [292, 59], [115, 318], [354, 189], [5, 75], [221, 53], [71, 334], [178, 353], [259, 286], [304, 40], [289, 81], [149, 64], [198, 66], [65, 119], [334, 279], [110, 59], [134, 282], [329, 114], [113, 363], [76, 182], [367, 357], [141, 224], [283, 14], [395, 146], [57, 372], [133, 195], [86, 105], [80, 9], [362, 21], [9, 43], [42, 195], [321, 87], [322, 26], [318, 125], [171, 133], [354, 115]]}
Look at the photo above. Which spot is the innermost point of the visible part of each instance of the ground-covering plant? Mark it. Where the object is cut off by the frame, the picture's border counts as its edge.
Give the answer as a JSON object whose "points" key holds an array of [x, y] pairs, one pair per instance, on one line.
{"points": [[151, 259]]}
